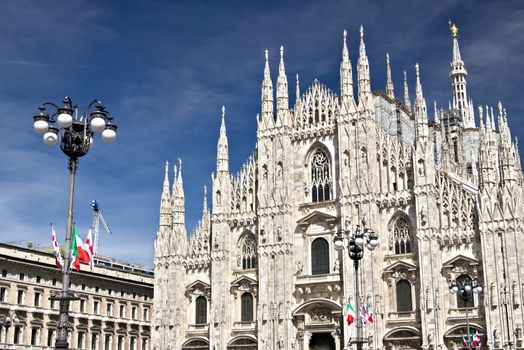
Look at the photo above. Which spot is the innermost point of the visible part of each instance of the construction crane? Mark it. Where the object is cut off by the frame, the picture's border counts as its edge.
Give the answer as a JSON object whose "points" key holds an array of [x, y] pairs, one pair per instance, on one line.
{"points": [[97, 218]]}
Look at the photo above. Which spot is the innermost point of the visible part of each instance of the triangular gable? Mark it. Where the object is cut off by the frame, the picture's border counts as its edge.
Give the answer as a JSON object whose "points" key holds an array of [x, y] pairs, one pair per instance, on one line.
{"points": [[242, 279], [315, 216], [198, 284], [400, 265], [452, 262]]}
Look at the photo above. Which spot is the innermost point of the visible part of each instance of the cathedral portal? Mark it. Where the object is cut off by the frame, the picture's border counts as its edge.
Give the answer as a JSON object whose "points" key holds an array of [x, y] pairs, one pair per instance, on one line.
{"points": [[322, 341]]}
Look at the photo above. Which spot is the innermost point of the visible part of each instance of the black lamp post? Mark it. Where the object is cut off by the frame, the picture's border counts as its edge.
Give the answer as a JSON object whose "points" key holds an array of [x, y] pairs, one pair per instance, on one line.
{"points": [[356, 249], [6, 321], [464, 288], [76, 137]]}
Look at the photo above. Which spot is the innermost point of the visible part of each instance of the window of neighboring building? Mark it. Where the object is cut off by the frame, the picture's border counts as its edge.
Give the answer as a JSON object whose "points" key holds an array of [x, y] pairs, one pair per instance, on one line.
{"points": [[403, 290], [462, 280], [107, 342], [96, 304], [34, 336], [80, 340], [83, 287], [50, 337], [201, 310], [17, 335], [248, 248], [109, 309], [246, 307], [134, 295], [97, 289], [38, 279], [319, 257], [4, 273], [144, 344], [133, 312], [21, 276], [20, 297], [145, 314], [3, 294], [320, 177], [402, 236], [94, 339], [53, 282], [120, 342], [132, 343], [122, 311], [52, 303], [37, 298], [82, 305]]}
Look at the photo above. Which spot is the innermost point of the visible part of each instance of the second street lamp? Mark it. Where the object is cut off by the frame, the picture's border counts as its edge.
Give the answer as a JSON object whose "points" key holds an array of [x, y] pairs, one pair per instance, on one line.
{"points": [[75, 133], [357, 242], [464, 288]]}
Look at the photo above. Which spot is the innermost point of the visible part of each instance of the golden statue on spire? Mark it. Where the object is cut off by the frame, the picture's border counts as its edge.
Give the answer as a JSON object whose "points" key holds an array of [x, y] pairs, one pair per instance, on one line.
{"points": [[454, 30]]}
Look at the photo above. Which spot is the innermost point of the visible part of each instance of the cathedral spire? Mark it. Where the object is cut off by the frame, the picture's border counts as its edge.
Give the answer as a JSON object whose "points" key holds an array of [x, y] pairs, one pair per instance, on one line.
{"points": [[282, 90], [178, 200], [421, 116], [165, 190], [267, 91], [488, 119], [481, 121], [390, 90], [364, 84], [458, 75], [297, 92], [222, 152], [346, 72], [407, 102], [204, 206], [165, 200]]}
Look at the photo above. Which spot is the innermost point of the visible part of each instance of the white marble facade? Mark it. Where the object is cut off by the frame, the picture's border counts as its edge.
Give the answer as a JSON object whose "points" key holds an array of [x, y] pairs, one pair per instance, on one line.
{"points": [[444, 194]]}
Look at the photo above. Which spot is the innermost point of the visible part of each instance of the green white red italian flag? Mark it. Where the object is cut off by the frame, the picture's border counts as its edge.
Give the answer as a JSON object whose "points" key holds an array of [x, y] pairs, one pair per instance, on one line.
{"points": [[350, 314], [79, 251]]}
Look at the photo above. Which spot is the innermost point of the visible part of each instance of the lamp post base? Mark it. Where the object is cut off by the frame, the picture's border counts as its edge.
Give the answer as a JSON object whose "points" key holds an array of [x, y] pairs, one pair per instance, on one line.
{"points": [[61, 344], [358, 341]]}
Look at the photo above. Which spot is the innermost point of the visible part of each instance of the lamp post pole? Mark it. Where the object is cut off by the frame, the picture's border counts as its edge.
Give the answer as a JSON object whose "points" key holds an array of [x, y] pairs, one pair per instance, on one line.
{"points": [[76, 137], [6, 321], [464, 288], [356, 252]]}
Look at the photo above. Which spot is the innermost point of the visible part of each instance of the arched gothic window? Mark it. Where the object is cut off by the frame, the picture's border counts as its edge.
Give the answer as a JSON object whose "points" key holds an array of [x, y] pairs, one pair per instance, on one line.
{"points": [[402, 236], [246, 307], [197, 344], [403, 290], [319, 257], [248, 248], [243, 344], [463, 280], [320, 177], [201, 310]]}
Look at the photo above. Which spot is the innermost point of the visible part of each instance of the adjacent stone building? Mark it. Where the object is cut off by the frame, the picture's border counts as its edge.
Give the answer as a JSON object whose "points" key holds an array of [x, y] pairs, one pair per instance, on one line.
{"points": [[444, 194], [112, 312]]}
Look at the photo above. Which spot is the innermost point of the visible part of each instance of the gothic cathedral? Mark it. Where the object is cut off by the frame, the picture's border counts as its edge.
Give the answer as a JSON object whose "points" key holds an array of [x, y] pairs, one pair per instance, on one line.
{"points": [[444, 195]]}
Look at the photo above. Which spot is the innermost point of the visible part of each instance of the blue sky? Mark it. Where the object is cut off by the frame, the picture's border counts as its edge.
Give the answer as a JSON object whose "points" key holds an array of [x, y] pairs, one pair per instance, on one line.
{"points": [[165, 68]]}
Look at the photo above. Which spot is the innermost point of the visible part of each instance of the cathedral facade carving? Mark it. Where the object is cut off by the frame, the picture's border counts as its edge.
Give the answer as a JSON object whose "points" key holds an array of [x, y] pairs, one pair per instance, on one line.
{"points": [[444, 194]]}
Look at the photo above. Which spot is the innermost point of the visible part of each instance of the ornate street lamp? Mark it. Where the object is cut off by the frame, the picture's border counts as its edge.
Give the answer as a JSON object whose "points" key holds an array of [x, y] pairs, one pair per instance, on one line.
{"points": [[356, 243], [75, 133], [465, 288], [6, 321]]}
